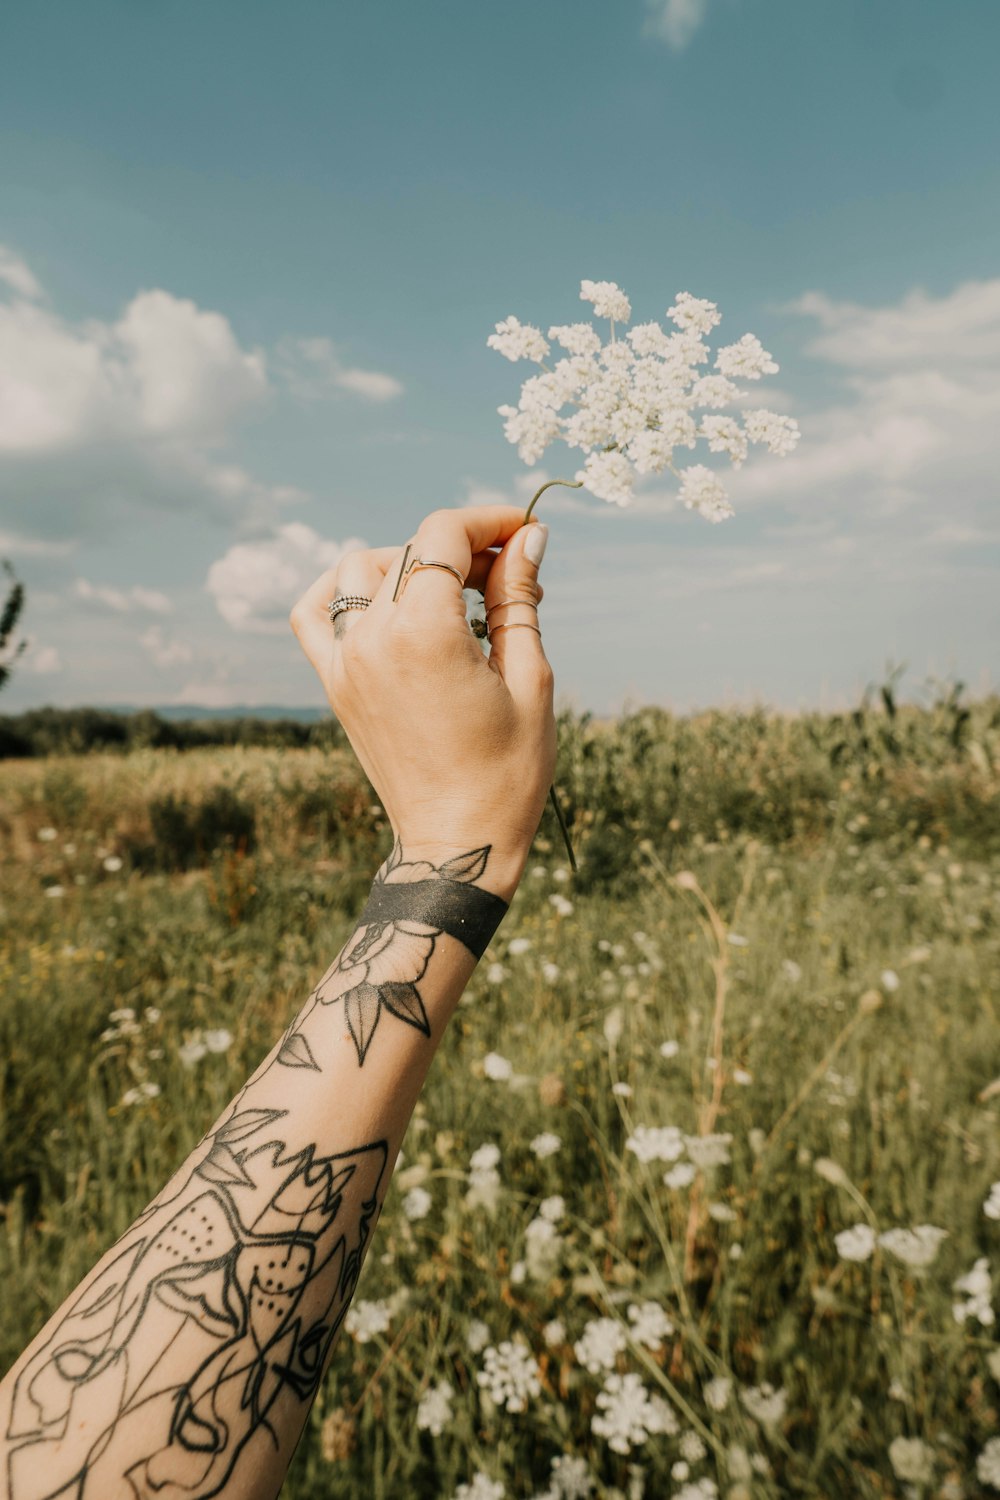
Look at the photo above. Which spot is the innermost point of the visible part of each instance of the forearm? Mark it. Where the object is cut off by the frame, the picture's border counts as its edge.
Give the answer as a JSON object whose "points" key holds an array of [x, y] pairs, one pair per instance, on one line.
{"points": [[187, 1362]]}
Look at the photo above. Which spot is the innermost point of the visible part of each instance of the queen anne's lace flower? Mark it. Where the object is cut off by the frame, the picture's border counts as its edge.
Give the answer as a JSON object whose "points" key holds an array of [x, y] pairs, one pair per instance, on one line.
{"points": [[717, 1392], [912, 1460], [577, 338], [747, 359], [365, 1320], [571, 1478], [602, 1341], [434, 1408], [779, 434], [516, 340], [991, 1208], [542, 1248], [656, 1143], [609, 300], [977, 1285], [988, 1464], [914, 1247], [856, 1243], [765, 1404], [629, 1414], [650, 1324], [482, 1487], [510, 1375], [545, 1144], [709, 1150], [702, 491], [695, 313], [609, 477]]}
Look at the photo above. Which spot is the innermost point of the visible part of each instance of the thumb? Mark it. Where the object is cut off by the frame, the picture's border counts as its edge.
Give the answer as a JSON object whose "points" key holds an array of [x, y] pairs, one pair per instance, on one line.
{"points": [[511, 600]]}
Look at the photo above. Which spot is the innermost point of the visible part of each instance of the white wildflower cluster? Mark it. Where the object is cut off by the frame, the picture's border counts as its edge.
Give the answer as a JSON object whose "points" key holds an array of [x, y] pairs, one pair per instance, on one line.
{"points": [[717, 1392], [915, 1247], [481, 1487], [434, 1408], [600, 1344], [571, 1479], [545, 1144], [200, 1043], [977, 1285], [988, 1464], [141, 1091], [634, 400], [991, 1208], [484, 1179], [912, 1460], [417, 1204], [628, 1414], [650, 1325], [543, 1247], [765, 1404], [656, 1143], [366, 1320], [510, 1375]]}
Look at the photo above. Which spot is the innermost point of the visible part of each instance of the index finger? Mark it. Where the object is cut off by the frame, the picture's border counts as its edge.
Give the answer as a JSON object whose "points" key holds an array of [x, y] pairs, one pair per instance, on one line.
{"points": [[451, 537]]}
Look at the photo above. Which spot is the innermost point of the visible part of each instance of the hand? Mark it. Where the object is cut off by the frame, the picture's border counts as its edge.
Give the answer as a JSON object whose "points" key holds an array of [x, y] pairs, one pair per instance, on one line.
{"points": [[459, 747]]}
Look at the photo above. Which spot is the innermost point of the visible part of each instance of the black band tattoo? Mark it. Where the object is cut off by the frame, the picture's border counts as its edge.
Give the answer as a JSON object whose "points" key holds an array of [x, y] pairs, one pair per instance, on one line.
{"points": [[412, 904]]}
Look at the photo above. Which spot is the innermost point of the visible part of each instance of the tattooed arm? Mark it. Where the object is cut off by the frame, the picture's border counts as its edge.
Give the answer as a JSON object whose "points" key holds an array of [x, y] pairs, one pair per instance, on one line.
{"points": [[186, 1363]]}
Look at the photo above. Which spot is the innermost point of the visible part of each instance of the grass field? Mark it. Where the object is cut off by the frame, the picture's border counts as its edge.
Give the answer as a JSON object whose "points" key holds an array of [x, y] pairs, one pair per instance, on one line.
{"points": [[783, 942]]}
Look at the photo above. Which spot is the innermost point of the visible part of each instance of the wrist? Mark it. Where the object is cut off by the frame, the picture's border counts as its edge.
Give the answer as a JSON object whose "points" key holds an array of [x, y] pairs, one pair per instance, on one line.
{"points": [[492, 866]]}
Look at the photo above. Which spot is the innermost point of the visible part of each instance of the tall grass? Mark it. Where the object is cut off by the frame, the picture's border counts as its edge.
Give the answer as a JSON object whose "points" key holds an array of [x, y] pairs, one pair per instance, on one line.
{"points": [[807, 911]]}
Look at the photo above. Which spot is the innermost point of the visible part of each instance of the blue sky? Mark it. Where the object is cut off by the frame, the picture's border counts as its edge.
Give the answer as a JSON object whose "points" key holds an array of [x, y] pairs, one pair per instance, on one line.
{"points": [[251, 255]]}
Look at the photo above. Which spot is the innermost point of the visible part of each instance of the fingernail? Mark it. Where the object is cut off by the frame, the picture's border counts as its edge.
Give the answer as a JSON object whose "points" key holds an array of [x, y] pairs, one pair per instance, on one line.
{"points": [[534, 542]]}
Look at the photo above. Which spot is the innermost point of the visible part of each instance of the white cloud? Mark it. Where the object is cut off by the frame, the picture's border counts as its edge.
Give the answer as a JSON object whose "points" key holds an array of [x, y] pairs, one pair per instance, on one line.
{"points": [[313, 371], [122, 601], [961, 328], [674, 21], [44, 660], [256, 583], [164, 652], [17, 275]]}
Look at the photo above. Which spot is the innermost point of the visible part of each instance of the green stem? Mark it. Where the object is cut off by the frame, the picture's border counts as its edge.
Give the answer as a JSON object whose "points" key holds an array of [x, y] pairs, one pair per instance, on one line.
{"points": [[570, 484]]}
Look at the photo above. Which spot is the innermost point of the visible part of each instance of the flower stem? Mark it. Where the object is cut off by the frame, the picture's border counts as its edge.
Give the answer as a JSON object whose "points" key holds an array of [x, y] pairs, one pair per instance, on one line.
{"points": [[571, 484]]}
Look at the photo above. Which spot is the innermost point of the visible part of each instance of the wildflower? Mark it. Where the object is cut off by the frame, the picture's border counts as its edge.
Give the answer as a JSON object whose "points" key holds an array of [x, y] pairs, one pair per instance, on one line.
{"points": [[700, 1489], [694, 314], [741, 1076], [484, 1179], [988, 1464], [669, 1049], [477, 1336], [496, 974], [856, 1243], [691, 1447], [889, 980], [736, 941], [545, 1144], [650, 1324], [991, 1208], [481, 1488], [219, 1040], [709, 1150], [497, 1068], [485, 1158], [912, 1460], [553, 1208], [366, 1320], [722, 1213], [554, 1333], [510, 1375], [717, 1392], [791, 970], [680, 1176], [614, 1024], [550, 972], [701, 490], [680, 1470], [434, 1408], [151, 1014], [622, 1090], [978, 1286], [192, 1052], [47, 835], [516, 341], [914, 1247], [746, 359], [518, 1272], [651, 1143], [124, 1013], [608, 299], [112, 864], [55, 891], [563, 907], [517, 946], [765, 1404], [571, 1479], [417, 1204], [602, 1341], [629, 1414], [542, 1249]]}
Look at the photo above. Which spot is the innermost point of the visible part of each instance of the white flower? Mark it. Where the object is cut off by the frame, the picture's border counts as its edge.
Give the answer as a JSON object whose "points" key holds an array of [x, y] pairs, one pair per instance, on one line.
{"points": [[856, 1243], [669, 1049], [912, 1460], [365, 1320], [113, 864], [709, 1150], [485, 1158], [779, 434], [914, 1247], [542, 1249], [124, 1013], [553, 1208], [622, 1090], [765, 1404], [434, 1408], [717, 1392], [47, 835], [602, 1341], [680, 1176], [563, 907], [741, 1076], [649, 338], [656, 1143], [192, 1052], [571, 1478], [516, 341], [510, 1375], [151, 1014], [991, 1208], [497, 1068], [550, 972], [725, 435], [609, 476], [496, 974], [554, 1333], [55, 891], [484, 1179], [482, 1487], [219, 1040], [722, 1213], [978, 1286], [531, 429], [702, 491], [577, 338], [545, 1144], [417, 1204], [629, 1414], [517, 946], [791, 970], [746, 360], [650, 1324], [608, 299], [988, 1464], [889, 980], [713, 391], [691, 1447], [477, 1336], [694, 313]]}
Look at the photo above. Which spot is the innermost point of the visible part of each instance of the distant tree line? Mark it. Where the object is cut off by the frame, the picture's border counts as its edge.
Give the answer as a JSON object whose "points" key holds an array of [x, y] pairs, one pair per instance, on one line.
{"points": [[75, 731]]}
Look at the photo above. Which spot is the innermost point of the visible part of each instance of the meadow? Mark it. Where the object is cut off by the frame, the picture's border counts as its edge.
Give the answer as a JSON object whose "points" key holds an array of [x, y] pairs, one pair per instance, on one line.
{"points": [[702, 1197]]}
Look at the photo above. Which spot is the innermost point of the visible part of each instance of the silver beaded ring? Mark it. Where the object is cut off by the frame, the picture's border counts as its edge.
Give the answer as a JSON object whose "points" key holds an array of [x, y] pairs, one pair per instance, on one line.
{"points": [[347, 601]]}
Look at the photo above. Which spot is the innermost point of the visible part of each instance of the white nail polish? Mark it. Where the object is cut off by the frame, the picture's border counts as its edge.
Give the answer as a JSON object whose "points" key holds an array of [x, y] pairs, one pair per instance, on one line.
{"points": [[534, 542]]}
